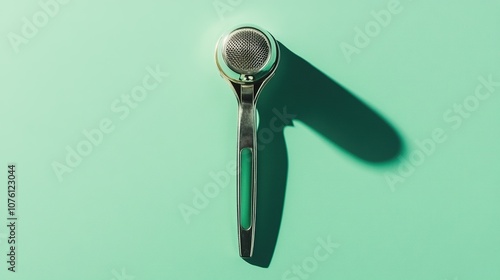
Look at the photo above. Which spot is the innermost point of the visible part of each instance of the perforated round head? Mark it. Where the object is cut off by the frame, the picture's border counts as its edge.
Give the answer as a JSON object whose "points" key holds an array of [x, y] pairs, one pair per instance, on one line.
{"points": [[246, 51], [247, 54]]}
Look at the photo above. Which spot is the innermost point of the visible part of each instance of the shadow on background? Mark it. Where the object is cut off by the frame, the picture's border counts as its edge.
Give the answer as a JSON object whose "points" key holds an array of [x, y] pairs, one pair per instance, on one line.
{"points": [[300, 91]]}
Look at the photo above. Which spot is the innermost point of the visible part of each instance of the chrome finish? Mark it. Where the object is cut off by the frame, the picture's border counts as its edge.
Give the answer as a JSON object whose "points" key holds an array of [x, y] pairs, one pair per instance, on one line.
{"points": [[247, 58], [242, 59]]}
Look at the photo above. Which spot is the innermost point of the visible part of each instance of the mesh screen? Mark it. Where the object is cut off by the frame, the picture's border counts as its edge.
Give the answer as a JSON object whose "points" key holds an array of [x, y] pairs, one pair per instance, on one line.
{"points": [[246, 51]]}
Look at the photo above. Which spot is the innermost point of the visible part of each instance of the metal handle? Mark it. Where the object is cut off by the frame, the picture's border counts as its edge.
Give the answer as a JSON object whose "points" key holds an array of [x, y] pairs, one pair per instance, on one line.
{"points": [[247, 171]]}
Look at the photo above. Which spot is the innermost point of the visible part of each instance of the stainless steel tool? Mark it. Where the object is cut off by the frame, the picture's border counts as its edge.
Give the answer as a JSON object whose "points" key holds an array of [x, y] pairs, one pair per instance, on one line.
{"points": [[247, 57]]}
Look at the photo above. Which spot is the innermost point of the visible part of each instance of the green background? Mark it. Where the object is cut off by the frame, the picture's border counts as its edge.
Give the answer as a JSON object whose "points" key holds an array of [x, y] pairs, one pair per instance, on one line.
{"points": [[116, 214]]}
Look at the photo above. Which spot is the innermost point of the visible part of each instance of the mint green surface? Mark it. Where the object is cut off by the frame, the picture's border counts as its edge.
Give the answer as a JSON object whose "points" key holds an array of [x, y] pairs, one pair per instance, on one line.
{"points": [[154, 195], [245, 187]]}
